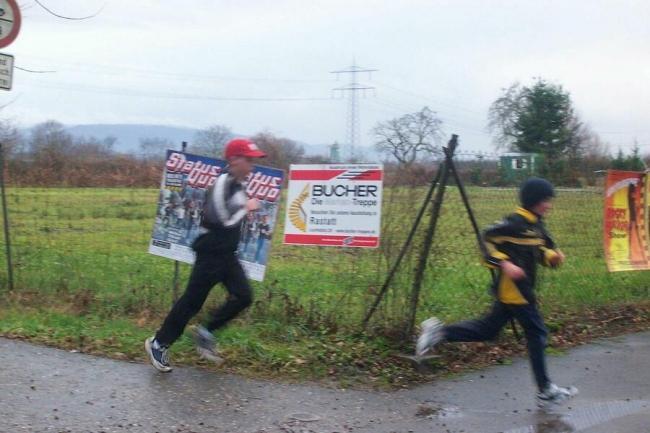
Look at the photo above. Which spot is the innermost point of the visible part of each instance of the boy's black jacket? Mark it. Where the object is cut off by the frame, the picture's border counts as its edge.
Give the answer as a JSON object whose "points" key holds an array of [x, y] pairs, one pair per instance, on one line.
{"points": [[522, 239]]}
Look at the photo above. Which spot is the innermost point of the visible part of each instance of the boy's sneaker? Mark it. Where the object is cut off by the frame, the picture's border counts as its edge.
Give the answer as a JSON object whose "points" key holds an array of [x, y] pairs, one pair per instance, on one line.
{"points": [[158, 355], [554, 394], [430, 335], [206, 345]]}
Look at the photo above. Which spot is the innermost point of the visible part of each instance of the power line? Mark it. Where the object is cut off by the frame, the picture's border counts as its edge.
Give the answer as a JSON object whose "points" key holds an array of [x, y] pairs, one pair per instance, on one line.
{"points": [[88, 67], [138, 93], [631, 131], [452, 119], [385, 107], [34, 71], [627, 144], [429, 99], [462, 123], [447, 120], [51, 12], [24, 7]]}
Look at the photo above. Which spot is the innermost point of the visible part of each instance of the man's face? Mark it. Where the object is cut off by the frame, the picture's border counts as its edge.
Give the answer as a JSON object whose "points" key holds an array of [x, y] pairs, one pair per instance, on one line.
{"points": [[543, 207], [240, 166]]}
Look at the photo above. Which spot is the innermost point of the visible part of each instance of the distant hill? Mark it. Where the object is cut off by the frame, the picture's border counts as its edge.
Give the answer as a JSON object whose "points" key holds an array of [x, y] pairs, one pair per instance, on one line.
{"points": [[129, 135]]}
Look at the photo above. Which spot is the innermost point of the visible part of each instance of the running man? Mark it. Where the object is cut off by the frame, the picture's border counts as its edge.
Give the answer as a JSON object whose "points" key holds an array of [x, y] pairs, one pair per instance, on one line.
{"points": [[224, 209]]}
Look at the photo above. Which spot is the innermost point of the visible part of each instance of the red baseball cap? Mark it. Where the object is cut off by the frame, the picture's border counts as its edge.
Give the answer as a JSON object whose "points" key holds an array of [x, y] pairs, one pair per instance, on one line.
{"points": [[243, 147]]}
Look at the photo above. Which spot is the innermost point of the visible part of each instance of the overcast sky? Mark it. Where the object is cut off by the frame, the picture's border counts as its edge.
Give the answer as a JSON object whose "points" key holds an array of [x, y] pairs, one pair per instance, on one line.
{"points": [[185, 62]]}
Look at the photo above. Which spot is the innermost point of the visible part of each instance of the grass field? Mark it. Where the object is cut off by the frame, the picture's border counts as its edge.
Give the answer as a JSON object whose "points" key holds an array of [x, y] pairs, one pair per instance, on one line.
{"points": [[85, 281]]}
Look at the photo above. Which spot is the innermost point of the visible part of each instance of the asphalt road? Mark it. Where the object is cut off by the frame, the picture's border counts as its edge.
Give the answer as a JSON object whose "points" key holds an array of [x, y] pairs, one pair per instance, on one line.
{"points": [[49, 390]]}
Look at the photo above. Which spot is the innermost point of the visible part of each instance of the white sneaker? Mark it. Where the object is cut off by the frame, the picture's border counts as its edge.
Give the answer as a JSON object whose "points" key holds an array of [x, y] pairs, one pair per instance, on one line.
{"points": [[158, 355], [554, 394], [206, 345], [430, 335]]}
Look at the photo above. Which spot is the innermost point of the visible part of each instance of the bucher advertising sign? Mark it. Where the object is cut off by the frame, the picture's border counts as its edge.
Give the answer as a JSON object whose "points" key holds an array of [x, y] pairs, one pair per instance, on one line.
{"points": [[334, 205]]}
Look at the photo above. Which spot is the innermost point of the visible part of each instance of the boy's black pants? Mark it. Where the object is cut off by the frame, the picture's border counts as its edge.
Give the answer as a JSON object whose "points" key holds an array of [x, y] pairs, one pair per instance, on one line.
{"points": [[488, 327], [208, 270]]}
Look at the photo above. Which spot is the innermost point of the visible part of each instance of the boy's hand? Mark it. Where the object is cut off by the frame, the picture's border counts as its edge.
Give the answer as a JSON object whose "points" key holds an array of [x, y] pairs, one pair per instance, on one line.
{"points": [[252, 205], [557, 259], [512, 271]]}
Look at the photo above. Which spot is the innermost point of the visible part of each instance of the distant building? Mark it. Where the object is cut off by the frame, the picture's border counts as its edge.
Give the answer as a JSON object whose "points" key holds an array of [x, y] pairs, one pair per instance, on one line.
{"points": [[516, 166], [335, 153]]}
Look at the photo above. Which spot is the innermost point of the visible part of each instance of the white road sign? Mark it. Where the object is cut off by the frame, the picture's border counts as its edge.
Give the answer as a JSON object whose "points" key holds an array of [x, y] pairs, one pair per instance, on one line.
{"points": [[6, 71]]}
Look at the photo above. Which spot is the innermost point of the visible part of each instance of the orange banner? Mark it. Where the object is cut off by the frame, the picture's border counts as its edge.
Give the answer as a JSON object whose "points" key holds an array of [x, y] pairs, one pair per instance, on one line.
{"points": [[626, 221]]}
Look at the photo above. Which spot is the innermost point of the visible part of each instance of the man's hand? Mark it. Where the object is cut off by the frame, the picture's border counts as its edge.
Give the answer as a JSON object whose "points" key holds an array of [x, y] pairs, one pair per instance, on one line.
{"points": [[252, 205], [512, 271]]}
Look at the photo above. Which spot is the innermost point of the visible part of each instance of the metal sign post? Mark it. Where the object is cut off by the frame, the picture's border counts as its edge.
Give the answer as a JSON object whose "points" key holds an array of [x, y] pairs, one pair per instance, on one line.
{"points": [[446, 170], [176, 262], [10, 273]]}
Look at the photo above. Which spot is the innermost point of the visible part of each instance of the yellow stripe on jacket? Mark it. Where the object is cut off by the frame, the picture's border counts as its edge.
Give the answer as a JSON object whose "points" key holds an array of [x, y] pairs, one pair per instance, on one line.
{"points": [[509, 293]]}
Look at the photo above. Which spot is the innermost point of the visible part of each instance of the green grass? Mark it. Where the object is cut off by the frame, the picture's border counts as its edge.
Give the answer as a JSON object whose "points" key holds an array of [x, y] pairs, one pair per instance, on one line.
{"points": [[83, 275]]}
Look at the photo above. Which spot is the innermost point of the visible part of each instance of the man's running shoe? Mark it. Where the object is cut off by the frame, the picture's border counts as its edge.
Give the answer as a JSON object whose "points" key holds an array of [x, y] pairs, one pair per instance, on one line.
{"points": [[430, 335], [158, 355], [206, 345], [554, 394]]}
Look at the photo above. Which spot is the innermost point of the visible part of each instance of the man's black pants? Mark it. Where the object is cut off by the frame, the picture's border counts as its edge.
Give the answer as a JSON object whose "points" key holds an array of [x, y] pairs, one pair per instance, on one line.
{"points": [[208, 270], [488, 327]]}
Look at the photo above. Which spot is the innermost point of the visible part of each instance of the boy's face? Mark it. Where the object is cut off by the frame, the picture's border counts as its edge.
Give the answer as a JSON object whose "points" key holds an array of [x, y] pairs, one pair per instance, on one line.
{"points": [[543, 207]]}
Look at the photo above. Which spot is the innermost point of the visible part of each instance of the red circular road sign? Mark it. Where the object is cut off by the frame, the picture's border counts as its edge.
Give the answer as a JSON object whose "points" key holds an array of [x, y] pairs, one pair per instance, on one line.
{"points": [[9, 22]]}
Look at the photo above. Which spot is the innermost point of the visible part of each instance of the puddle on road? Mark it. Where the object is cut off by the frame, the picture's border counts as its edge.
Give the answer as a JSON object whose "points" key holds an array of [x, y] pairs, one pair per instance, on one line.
{"points": [[304, 417], [584, 418], [437, 411]]}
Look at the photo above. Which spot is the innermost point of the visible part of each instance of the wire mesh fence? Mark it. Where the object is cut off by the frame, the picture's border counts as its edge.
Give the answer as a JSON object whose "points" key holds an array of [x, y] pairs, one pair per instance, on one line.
{"points": [[85, 249]]}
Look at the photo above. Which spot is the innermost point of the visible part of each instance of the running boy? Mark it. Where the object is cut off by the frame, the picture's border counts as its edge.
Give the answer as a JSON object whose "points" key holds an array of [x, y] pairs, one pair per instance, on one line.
{"points": [[224, 209], [514, 246]]}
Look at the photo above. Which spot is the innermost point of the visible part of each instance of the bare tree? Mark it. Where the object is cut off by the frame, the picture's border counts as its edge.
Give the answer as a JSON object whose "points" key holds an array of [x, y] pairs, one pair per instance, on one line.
{"points": [[595, 156], [154, 147], [51, 147], [210, 141], [11, 138], [316, 159], [52, 156], [281, 152], [50, 140], [594, 146], [93, 148], [503, 116], [409, 137]]}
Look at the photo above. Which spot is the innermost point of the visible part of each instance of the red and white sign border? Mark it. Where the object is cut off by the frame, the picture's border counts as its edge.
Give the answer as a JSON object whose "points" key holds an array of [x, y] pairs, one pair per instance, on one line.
{"points": [[11, 36], [342, 172]]}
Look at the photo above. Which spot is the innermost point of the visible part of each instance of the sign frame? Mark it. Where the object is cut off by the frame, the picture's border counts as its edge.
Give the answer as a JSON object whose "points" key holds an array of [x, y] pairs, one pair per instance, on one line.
{"points": [[335, 205], [625, 221], [185, 181], [7, 71]]}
